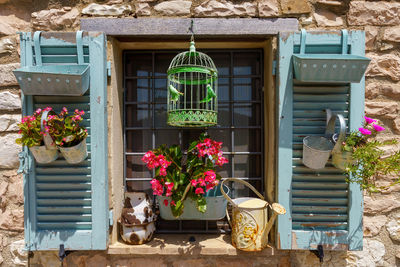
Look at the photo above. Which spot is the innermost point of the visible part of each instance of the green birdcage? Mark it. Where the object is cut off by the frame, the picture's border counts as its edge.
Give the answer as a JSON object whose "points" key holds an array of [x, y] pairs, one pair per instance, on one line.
{"points": [[192, 90]]}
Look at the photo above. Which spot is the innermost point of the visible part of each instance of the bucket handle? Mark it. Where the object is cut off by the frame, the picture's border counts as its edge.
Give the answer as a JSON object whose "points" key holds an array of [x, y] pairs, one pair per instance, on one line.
{"points": [[242, 182], [48, 140], [303, 37], [342, 134], [330, 127], [38, 53]]}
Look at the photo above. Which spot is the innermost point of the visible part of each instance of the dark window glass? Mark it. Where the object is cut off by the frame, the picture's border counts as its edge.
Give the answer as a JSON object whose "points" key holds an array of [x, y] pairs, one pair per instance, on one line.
{"points": [[239, 121]]}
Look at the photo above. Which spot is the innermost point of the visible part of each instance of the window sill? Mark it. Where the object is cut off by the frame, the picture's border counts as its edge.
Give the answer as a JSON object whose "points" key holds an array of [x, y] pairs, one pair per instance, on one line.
{"points": [[179, 244]]}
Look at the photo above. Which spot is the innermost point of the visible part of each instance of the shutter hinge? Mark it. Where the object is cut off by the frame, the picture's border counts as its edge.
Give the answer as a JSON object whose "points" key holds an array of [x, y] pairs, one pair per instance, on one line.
{"points": [[110, 218], [319, 253], [274, 67], [23, 162], [109, 68]]}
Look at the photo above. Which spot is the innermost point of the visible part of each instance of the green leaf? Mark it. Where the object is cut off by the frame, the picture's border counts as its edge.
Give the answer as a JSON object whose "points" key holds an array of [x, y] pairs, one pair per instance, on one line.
{"points": [[177, 210], [201, 204]]}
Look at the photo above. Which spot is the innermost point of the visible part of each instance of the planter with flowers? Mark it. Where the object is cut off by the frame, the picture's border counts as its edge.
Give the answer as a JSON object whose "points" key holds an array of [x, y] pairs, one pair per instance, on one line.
{"points": [[186, 187], [364, 160], [34, 135], [68, 135]]}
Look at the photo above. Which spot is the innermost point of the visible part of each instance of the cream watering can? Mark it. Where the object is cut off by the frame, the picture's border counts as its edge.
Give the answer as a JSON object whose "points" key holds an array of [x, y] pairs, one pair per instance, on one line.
{"points": [[250, 225]]}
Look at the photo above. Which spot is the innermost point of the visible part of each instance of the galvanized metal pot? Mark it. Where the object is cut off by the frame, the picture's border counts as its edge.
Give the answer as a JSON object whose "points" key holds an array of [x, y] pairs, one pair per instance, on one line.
{"points": [[250, 225], [137, 223], [43, 155], [75, 154]]}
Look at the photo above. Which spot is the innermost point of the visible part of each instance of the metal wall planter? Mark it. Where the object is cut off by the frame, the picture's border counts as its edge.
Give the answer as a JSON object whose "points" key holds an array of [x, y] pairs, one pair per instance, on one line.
{"points": [[216, 206], [67, 80], [329, 67]]}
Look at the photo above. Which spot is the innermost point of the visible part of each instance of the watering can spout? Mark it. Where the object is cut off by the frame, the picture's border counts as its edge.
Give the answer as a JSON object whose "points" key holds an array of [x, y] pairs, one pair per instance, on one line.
{"points": [[277, 209]]}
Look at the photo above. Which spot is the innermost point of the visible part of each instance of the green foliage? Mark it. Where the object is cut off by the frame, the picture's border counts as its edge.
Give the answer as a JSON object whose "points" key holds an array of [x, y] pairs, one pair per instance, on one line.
{"points": [[65, 129], [370, 161], [30, 130], [185, 173]]}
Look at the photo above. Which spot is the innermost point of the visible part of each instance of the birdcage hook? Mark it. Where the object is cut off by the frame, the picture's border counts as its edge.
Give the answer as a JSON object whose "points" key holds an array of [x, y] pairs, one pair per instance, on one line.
{"points": [[191, 30]]}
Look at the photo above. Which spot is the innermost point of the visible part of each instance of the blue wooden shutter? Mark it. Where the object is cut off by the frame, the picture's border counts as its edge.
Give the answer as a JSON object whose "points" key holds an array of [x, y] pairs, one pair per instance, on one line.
{"points": [[322, 209], [68, 204]]}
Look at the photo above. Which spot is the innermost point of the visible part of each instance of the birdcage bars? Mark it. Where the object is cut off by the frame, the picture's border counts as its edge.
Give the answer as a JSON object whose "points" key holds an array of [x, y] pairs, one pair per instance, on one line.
{"points": [[192, 90]]}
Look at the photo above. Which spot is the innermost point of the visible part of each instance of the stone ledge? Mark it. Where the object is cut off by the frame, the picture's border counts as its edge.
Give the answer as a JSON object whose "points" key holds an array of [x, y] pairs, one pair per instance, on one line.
{"points": [[178, 244], [178, 27]]}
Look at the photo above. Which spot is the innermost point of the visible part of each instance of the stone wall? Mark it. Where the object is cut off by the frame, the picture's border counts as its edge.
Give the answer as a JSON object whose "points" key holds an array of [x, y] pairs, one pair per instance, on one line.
{"points": [[380, 20]]}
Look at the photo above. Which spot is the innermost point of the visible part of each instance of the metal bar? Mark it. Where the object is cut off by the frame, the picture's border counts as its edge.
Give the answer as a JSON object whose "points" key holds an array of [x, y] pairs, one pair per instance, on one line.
{"points": [[177, 128], [185, 153], [149, 179]]}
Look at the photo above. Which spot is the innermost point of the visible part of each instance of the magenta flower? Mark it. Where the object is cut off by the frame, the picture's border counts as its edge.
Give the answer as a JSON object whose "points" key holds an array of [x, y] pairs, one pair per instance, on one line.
{"points": [[364, 131], [165, 202], [378, 128], [199, 190], [369, 120]]}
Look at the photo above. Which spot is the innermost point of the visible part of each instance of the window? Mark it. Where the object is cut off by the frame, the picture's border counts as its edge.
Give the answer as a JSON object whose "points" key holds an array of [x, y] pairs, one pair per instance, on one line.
{"points": [[240, 117]]}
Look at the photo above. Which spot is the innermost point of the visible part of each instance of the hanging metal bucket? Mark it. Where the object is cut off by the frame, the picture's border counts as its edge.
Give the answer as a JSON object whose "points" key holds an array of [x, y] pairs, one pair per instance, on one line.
{"points": [[75, 154], [250, 224], [44, 155]]}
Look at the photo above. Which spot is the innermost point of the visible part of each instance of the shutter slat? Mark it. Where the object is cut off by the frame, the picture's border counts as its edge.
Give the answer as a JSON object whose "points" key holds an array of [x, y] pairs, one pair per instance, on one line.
{"points": [[317, 113], [63, 186], [64, 201], [47, 218], [326, 98], [63, 170], [64, 226], [310, 217], [320, 225], [64, 209], [320, 209], [319, 193], [63, 178], [320, 185], [64, 194], [320, 201], [319, 106]]}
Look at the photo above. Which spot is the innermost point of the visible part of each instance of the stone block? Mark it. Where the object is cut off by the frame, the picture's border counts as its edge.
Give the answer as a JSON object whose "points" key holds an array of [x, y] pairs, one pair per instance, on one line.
{"points": [[396, 125], [379, 13], [393, 228], [7, 77], [385, 65], [295, 6], [107, 10], [391, 34], [142, 9], [6, 45], [12, 220], [325, 18], [194, 262], [9, 101], [371, 255], [371, 34], [373, 225], [9, 151], [268, 8], [386, 110], [8, 122], [19, 256], [174, 8], [330, 2], [213, 8], [379, 204], [54, 19], [389, 90], [11, 24]]}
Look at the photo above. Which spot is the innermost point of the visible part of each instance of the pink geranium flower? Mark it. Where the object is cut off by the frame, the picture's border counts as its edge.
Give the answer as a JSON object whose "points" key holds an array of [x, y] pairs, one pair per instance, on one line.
{"points": [[166, 202], [199, 190], [364, 131], [369, 120], [378, 128]]}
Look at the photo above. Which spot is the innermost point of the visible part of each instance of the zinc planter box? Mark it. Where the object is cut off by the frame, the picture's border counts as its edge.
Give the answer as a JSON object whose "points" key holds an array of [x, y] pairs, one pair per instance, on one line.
{"points": [[329, 67], [344, 67], [216, 207], [67, 80]]}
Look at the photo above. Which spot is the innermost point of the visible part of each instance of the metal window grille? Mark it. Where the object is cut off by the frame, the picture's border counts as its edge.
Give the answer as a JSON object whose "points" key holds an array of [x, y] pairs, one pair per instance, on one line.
{"points": [[240, 122]]}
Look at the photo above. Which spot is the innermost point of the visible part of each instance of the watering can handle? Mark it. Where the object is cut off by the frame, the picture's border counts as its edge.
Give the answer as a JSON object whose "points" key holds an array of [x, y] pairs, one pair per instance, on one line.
{"points": [[342, 134], [242, 182]]}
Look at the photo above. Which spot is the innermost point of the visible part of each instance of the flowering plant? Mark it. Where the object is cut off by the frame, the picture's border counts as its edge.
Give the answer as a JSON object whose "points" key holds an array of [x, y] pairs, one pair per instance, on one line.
{"points": [[369, 159], [65, 129], [30, 129], [178, 177]]}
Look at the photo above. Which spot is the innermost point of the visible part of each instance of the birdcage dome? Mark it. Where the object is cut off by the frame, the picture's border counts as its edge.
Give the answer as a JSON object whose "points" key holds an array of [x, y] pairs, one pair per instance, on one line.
{"points": [[192, 90]]}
